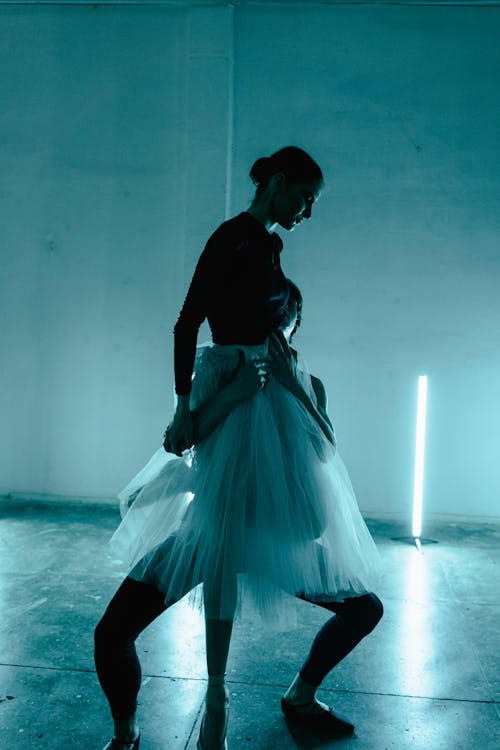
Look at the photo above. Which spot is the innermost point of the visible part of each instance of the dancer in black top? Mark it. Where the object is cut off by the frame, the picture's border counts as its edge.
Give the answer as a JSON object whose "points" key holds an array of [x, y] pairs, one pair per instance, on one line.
{"points": [[238, 283], [273, 507]]}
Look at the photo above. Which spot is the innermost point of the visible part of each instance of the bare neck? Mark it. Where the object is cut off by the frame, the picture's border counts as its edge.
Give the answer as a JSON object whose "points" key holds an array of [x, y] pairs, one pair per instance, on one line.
{"points": [[260, 210]]}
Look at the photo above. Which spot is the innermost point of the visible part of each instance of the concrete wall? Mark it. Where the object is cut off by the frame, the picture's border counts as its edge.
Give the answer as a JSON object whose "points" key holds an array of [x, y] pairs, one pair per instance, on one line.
{"points": [[127, 134]]}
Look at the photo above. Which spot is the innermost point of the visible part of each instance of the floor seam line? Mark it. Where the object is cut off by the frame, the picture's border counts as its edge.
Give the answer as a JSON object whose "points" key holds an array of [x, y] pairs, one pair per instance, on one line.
{"points": [[262, 684]]}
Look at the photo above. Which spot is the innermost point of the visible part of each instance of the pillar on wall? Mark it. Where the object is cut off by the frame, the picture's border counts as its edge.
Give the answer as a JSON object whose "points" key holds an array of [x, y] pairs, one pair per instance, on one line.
{"points": [[208, 133]]}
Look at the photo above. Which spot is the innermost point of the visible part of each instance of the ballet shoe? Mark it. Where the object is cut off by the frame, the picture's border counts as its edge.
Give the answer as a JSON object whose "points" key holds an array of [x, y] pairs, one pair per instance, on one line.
{"points": [[119, 745], [216, 713], [314, 716]]}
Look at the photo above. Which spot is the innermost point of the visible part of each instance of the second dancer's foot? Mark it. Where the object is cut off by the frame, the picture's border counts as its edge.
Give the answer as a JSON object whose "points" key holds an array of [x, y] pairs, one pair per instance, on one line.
{"points": [[317, 715], [119, 745], [126, 735]]}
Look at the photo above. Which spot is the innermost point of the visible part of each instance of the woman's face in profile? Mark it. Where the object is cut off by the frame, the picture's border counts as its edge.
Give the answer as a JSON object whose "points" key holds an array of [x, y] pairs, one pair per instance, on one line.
{"points": [[294, 203]]}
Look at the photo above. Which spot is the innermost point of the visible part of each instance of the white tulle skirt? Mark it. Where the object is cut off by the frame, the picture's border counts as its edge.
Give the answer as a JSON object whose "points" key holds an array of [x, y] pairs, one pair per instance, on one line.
{"points": [[262, 507]]}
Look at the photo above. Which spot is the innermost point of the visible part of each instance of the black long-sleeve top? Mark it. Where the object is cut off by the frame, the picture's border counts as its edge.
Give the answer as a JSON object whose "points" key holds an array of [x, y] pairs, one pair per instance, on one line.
{"points": [[238, 285]]}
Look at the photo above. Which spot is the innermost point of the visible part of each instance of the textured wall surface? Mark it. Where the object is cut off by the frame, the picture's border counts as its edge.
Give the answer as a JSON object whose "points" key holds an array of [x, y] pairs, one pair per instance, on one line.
{"points": [[127, 135]]}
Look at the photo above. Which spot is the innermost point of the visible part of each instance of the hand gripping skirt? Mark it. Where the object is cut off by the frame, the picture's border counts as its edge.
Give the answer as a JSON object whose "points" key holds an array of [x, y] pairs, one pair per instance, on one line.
{"points": [[262, 506]]}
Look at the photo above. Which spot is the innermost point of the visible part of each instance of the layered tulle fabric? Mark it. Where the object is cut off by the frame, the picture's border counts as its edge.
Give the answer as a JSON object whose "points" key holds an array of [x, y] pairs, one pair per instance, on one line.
{"points": [[262, 506]]}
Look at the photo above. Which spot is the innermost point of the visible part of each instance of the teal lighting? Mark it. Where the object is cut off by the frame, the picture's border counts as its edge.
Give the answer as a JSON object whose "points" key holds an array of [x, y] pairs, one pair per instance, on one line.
{"points": [[418, 485]]}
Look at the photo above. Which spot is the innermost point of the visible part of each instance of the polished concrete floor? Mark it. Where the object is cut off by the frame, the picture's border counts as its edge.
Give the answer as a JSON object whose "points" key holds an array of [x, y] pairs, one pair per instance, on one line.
{"points": [[426, 678]]}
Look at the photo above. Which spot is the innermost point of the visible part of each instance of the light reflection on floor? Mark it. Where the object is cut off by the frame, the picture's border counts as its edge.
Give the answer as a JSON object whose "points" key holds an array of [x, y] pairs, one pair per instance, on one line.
{"points": [[185, 624], [416, 642]]}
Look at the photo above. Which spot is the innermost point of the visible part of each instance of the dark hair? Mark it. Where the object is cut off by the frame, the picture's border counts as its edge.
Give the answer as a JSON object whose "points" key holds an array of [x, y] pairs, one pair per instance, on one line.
{"points": [[295, 296], [296, 165]]}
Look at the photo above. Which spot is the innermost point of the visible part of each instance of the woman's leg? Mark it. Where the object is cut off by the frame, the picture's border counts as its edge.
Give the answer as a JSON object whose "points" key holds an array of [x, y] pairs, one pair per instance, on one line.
{"points": [[354, 618], [134, 606], [218, 637]]}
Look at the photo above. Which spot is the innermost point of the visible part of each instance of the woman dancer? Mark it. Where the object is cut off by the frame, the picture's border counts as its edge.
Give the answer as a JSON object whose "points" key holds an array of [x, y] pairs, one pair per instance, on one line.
{"points": [[295, 525]]}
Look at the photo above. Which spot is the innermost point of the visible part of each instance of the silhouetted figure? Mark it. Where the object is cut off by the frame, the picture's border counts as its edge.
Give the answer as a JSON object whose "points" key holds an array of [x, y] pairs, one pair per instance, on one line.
{"points": [[266, 504]]}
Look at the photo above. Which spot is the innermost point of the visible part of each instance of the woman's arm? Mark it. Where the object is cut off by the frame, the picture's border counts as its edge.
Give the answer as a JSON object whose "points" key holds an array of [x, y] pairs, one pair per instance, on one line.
{"points": [[246, 383], [282, 366], [209, 283], [322, 403], [248, 380]]}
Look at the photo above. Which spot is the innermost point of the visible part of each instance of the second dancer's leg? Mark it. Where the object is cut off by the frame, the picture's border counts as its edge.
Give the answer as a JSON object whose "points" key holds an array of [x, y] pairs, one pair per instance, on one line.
{"points": [[354, 618], [134, 606]]}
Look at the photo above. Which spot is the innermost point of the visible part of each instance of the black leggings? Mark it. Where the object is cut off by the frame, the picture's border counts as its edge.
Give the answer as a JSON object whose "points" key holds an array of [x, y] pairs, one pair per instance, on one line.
{"points": [[135, 605]]}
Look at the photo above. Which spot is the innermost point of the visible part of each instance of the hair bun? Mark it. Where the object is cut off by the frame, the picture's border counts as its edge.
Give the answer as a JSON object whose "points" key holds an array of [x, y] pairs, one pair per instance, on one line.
{"points": [[260, 171], [293, 162]]}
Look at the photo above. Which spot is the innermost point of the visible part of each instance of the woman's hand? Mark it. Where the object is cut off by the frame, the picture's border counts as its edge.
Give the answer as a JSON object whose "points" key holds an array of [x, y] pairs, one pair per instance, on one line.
{"points": [[282, 362], [179, 434], [249, 379]]}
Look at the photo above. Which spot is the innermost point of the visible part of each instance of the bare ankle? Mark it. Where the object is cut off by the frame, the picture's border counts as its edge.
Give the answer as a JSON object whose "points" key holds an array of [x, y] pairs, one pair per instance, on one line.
{"points": [[127, 730]]}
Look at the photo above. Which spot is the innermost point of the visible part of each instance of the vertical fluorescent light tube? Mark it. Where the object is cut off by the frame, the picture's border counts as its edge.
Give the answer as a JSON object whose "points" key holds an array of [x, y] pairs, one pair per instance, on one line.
{"points": [[419, 456]]}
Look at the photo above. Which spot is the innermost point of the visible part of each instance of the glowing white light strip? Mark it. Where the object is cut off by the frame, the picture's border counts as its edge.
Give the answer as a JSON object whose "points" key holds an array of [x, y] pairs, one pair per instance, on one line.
{"points": [[418, 485]]}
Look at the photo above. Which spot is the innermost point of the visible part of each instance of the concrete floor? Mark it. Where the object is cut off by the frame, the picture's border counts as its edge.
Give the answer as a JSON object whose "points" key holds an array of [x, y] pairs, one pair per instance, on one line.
{"points": [[426, 678]]}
